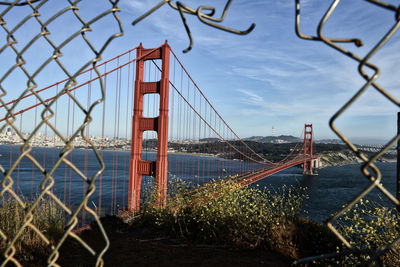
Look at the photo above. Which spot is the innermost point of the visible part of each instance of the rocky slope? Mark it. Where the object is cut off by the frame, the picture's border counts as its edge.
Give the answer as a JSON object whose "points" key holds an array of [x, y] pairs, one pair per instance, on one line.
{"points": [[338, 158]]}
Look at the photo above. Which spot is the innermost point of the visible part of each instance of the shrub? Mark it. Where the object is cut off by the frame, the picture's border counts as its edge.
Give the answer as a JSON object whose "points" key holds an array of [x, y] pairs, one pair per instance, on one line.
{"points": [[223, 212], [370, 226]]}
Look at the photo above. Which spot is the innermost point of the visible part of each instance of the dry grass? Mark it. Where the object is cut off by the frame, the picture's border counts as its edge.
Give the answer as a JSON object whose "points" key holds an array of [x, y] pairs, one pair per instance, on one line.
{"points": [[30, 247]]}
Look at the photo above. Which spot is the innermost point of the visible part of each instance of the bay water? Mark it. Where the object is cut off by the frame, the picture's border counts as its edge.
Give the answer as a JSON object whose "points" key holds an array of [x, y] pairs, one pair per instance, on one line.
{"points": [[328, 191]]}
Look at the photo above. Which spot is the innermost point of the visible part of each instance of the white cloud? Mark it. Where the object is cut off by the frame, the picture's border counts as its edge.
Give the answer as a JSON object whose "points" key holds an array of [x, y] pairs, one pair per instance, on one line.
{"points": [[140, 5], [278, 74], [251, 98]]}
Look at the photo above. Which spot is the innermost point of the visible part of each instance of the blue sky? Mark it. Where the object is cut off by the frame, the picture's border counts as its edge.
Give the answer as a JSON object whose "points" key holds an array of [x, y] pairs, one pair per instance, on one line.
{"points": [[270, 77]]}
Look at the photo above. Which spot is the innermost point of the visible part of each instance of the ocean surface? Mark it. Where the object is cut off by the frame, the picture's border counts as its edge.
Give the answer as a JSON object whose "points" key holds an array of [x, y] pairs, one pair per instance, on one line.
{"points": [[332, 188]]}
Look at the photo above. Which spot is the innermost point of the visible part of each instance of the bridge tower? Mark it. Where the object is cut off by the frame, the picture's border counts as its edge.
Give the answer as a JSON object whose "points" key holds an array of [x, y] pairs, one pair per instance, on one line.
{"points": [[308, 149], [137, 166]]}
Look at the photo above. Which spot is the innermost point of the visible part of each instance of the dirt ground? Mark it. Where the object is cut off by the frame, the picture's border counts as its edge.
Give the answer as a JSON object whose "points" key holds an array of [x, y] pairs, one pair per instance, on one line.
{"points": [[151, 247]]}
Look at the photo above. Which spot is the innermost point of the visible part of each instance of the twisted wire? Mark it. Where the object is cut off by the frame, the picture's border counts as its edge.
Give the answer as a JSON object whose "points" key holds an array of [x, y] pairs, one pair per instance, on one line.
{"points": [[48, 113], [374, 176], [204, 13]]}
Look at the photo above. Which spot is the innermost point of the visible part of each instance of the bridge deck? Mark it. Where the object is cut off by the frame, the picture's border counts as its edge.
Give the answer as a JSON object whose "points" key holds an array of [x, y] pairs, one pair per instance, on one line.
{"points": [[257, 175]]}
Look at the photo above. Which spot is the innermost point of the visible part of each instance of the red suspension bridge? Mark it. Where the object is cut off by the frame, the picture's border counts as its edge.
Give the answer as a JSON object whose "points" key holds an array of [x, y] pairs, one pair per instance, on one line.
{"points": [[154, 122]]}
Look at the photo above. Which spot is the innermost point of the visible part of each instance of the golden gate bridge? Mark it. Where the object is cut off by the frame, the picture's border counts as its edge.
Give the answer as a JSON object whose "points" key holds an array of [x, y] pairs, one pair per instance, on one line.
{"points": [[154, 122]]}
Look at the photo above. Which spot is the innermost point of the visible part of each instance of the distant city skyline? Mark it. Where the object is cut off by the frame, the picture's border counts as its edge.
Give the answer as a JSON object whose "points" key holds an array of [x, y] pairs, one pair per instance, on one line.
{"points": [[269, 78], [9, 132]]}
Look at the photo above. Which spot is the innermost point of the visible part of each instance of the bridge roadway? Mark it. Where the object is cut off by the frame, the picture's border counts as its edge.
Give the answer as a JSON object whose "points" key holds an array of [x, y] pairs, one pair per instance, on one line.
{"points": [[257, 175]]}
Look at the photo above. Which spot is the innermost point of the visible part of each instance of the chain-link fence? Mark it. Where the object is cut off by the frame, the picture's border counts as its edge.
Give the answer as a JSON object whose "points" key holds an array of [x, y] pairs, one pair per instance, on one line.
{"points": [[369, 168], [55, 28], [19, 20], [16, 16]]}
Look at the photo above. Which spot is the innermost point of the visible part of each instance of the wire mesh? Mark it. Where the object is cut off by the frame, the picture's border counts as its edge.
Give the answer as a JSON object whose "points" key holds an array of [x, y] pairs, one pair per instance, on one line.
{"points": [[34, 10], [28, 26], [41, 15], [204, 13], [368, 168]]}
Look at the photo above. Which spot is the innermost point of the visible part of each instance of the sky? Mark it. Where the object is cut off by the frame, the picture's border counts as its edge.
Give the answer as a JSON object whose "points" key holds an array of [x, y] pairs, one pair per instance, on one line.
{"points": [[270, 77]]}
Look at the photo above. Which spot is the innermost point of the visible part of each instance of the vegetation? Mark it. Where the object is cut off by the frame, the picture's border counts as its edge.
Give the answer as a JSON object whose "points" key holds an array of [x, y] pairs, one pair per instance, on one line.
{"points": [[222, 213], [30, 247], [369, 226], [248, 217], [254, 218]]}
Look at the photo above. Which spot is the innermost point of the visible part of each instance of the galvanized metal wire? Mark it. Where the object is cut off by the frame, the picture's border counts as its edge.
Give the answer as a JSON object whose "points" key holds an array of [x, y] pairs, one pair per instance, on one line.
{"points": [[22, 64], [369, 169], [204, 13]]}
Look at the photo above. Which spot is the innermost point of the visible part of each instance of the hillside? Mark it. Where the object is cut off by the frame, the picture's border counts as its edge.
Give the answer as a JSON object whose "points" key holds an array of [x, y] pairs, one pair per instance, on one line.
{"points": [[273, 139], [332, 154]]}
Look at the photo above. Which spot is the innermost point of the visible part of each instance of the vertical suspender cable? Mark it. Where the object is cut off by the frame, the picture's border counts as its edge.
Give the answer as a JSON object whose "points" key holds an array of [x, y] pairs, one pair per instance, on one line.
{"points": [[193, 136], [210, 144], [133, 97], [113, 154], [205, 143], [118, 121], [89, 95], [71, 158], [179, 127], [145, 140], [65, 166], [45, 147], [172, 114], [154, 157], [216, 147], [102, 137], [55, 125], [20, 130], [189, 125], [11, 149], [33, 152], [126, 130], [115, 144], [194, 139], [222, 148], [199, 157], [184, 132], [146, 78]]}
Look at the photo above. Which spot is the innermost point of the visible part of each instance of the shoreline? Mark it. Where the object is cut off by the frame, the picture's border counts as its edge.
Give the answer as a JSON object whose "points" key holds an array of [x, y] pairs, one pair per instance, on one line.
{"points": [[336, 159], [327, 159], [117, 150]]}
